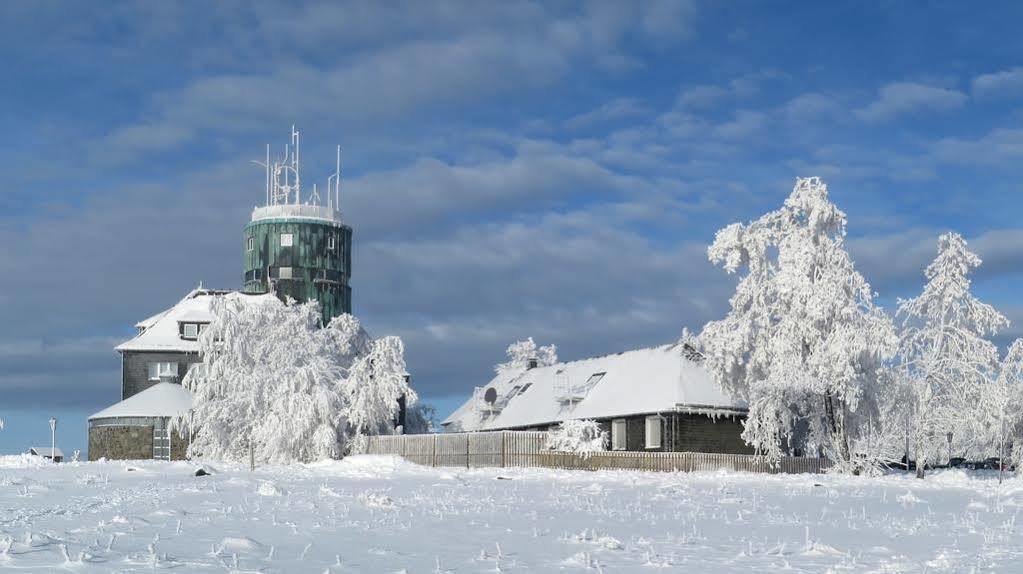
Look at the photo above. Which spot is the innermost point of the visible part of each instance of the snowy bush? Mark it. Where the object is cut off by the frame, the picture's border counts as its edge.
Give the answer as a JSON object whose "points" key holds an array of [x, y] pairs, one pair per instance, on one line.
{"points": [[803, 343], [578, 436], [272, 379], [521, 352]]}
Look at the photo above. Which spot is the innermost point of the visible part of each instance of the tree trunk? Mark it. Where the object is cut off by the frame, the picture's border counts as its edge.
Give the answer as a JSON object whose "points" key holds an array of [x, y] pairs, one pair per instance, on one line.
{"points": [[836, 426]]}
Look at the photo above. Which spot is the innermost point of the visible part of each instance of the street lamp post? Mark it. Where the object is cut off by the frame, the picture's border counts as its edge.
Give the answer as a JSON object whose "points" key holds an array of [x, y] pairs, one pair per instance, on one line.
{"points": [[53, 439]]}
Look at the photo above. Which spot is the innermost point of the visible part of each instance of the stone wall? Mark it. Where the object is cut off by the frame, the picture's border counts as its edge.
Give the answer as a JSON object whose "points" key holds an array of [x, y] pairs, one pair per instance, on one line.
{"points": [[179, 446], [121, 442]]}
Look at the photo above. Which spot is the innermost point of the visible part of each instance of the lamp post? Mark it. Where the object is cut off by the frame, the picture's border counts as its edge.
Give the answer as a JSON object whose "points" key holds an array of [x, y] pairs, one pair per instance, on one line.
{"points": [[53, 439]]}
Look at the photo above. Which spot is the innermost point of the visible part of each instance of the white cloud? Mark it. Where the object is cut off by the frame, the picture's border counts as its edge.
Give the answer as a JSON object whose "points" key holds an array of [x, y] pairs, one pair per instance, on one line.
{"points": [[614, 110], [999, 147], [902, 98], [1007, 83]]}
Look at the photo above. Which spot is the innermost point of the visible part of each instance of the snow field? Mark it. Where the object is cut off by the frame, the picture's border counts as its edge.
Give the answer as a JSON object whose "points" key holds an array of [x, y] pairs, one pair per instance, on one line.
{"points": [[380, 514]]}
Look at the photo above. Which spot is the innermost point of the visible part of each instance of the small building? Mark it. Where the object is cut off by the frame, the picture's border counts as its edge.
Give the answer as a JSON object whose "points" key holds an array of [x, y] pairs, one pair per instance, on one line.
{"points": [[53, 454], [139, 427], [654, 399]]}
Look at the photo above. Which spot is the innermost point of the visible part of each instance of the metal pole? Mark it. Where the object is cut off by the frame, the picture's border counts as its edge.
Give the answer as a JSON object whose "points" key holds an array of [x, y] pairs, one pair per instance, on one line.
{"points": [[53, 439]]}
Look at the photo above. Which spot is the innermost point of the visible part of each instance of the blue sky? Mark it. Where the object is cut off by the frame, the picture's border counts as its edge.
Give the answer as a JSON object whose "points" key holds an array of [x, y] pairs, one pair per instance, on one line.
{"points": [[553, 170]]}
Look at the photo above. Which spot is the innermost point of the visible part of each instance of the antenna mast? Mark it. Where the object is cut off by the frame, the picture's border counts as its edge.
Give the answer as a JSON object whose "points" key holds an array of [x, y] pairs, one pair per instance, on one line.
{"points": [[334, 184], [280, 190], [298, 180]]}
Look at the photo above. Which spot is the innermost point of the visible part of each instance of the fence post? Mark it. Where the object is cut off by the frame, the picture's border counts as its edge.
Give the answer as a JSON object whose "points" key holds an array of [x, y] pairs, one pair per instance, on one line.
{"points": [[503, 448], [433, 457]]}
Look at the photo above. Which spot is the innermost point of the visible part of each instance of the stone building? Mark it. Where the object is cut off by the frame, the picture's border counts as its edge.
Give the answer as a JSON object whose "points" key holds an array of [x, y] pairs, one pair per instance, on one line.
{"points": [[139, 427], [655, 399]]}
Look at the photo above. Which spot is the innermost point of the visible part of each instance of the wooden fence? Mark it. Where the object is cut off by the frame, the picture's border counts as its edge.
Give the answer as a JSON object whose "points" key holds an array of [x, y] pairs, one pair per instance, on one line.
{"points": [[527, 448]]}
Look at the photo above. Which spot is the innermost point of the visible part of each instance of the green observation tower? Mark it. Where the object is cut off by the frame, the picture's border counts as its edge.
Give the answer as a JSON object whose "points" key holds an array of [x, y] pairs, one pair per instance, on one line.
{"points": [[295, 248]]}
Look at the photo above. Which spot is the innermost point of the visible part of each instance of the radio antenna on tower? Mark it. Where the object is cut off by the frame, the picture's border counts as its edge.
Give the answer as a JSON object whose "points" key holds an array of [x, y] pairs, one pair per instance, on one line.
{"points": [[334, 184], [284, 178]]}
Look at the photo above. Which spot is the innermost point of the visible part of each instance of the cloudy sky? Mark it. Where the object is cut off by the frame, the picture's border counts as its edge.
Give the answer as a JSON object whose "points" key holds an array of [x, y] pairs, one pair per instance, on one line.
{"points": [[513, 169]]}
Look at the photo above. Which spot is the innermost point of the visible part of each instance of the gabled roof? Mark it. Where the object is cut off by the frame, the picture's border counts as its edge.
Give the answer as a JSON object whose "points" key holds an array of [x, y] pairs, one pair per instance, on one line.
{"points": [[159, 400], [45, 451], [160, 332], [657, 379]]}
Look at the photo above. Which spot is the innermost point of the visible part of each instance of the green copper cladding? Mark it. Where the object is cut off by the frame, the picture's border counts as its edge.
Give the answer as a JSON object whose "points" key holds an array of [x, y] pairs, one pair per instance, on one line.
{"points": [[316, 265]]}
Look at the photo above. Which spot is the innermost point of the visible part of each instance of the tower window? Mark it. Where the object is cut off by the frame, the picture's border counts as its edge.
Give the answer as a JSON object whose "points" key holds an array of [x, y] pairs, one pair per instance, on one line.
{"points": [[287, 240], [284, 273], [330, 242], [250, 243]]}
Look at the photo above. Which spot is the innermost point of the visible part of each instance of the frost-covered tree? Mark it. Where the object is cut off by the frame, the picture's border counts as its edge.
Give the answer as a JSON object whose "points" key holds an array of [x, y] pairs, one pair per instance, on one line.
{"points": [[578, 436], [947, 360], [373, 387], [420, 419], [272, 380], [1002, 407], [803, 342], [521, 352]]}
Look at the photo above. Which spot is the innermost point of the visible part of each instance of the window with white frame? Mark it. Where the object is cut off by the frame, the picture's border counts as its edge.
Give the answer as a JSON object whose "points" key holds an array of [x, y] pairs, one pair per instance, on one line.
{"points": [[330, 242], [287, 240], [162, 369], [618, 434], [284, 273], [653, 431], [190, 331], [250, 243]]}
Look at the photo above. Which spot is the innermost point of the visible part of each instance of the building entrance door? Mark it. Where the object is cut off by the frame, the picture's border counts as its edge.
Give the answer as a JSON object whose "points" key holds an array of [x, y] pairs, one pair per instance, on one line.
{"points": [[161, 443]]}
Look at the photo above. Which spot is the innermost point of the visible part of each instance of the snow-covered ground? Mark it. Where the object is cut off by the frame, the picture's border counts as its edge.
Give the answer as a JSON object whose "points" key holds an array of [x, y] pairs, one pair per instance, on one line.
{"points": [[379, 514]]}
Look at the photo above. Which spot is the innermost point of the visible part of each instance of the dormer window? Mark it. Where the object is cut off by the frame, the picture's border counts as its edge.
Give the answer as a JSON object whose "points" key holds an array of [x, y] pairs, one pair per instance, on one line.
{"points": [[191, 331]]}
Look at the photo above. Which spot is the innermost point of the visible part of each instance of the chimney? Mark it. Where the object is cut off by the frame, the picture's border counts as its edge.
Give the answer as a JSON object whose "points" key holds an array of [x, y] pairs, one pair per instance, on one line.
{"points": [[532, 363]]}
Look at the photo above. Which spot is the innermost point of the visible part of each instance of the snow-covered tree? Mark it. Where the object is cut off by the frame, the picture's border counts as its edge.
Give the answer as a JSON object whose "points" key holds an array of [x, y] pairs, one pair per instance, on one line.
{"points": [[1002, 406], [272, 380], [803, 342], [373, 387], [947, 360], [578, 436], [521, 352], [419, 419]]}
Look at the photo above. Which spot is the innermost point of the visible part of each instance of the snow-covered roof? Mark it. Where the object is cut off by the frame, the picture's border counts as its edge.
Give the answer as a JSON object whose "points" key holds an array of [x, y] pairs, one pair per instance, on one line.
{"points": [[160, 332], [45, 451], [649, 380], [159, 400]]}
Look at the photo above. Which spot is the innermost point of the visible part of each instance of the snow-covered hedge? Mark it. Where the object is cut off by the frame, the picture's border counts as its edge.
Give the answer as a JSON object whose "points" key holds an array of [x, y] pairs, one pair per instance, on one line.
{"points": [[578, 436]]}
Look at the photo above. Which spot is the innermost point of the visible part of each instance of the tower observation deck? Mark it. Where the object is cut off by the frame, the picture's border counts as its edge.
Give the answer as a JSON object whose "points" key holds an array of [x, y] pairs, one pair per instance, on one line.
{"points": [[295, 248]]}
